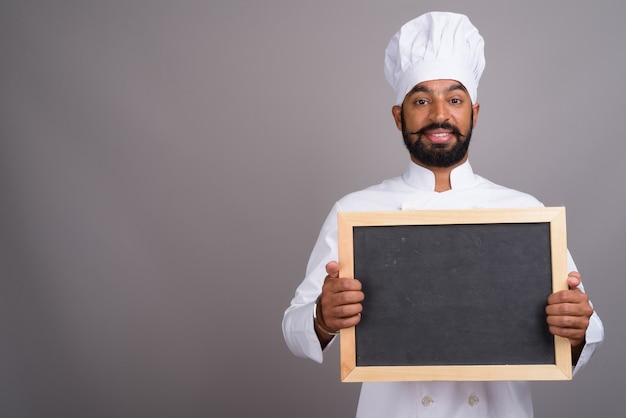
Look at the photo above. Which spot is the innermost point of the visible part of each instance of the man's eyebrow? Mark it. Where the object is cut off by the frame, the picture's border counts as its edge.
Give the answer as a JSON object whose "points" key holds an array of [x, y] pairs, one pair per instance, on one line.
{"points": [[420, 89], [456, 86]]}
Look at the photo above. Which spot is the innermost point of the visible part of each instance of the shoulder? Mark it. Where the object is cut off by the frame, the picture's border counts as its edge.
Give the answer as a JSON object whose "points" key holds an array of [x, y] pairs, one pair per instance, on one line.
{"points": [[502, 196], [386, 195]]}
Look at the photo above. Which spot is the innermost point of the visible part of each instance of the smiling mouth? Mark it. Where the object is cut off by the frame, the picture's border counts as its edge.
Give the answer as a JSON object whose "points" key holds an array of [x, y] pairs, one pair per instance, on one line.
{"points": [[439, 137], [439, 133]]}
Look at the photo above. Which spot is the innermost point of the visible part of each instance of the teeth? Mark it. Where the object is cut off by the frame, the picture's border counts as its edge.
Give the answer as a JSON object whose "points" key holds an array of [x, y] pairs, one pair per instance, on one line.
{"points": [[441, 135]]}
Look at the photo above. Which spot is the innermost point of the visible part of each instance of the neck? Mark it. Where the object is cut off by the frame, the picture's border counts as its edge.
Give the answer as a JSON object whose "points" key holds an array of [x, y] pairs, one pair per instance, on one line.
{"points": [[442, 179]]}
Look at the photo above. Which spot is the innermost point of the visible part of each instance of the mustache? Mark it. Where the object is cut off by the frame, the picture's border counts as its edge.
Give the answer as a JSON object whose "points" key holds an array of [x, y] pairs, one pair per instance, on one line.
{"points": [[444, 125]]}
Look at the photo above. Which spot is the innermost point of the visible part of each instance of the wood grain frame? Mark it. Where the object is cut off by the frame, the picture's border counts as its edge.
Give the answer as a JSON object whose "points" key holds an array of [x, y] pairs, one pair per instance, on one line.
{"points": [[555, 216]]}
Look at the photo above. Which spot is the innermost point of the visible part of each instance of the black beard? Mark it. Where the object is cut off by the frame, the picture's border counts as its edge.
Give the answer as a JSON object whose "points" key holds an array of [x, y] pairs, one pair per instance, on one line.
{"points": [[437, 156]]}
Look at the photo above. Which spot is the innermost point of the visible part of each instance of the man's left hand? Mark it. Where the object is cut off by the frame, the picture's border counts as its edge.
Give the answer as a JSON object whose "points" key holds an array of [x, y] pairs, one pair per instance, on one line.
{"points": [[569, 311]]}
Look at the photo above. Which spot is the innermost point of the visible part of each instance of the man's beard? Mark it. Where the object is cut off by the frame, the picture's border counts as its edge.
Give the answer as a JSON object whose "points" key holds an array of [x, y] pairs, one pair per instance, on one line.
{"points": [[437, 155]]}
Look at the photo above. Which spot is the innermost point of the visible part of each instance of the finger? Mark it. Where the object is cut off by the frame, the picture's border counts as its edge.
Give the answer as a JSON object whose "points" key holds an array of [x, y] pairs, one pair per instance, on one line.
{"points": [[332, 269], [340, 285], [342, 323], [343, 316], [346, 311], [575, 336], [568, 296], [569, 311], [575, 321], [348, 297]]}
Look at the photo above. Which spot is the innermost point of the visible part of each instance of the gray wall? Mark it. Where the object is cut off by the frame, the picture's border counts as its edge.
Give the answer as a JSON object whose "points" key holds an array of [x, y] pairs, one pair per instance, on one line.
{"points": [[166, 166]]}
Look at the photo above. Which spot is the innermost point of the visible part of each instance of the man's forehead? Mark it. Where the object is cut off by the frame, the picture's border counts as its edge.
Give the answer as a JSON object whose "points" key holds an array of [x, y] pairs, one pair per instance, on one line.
{"points": [[431, 86]]}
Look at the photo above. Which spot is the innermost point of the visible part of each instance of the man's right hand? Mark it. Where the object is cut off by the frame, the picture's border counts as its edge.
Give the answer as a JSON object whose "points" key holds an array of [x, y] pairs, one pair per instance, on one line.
{"points": [[339, 305]]}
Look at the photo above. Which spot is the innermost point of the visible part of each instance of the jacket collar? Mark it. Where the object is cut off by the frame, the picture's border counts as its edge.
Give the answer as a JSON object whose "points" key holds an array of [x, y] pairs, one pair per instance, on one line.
{"points": [[422, 178]]}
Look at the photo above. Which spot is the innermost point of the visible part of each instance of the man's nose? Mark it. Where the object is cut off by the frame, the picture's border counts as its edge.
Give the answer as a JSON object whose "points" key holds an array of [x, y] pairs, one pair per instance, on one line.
{"points": [[439, 111]]}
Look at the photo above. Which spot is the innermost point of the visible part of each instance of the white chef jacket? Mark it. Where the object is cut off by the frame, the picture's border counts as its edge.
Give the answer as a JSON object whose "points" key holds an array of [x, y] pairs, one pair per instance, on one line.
{"points": [[415, 190]]}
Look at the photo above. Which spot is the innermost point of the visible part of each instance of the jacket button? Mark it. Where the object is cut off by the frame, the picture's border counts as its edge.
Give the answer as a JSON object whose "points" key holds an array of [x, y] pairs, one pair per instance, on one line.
{"points": [[473, 400], [427, 401]]}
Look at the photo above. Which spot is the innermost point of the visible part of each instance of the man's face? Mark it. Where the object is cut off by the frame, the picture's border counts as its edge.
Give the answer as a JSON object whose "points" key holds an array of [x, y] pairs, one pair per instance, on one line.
{"points": [[436, 120]]}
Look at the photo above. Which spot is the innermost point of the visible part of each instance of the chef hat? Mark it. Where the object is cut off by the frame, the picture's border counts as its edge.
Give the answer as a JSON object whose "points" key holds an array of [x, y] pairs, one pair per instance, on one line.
{"points": [[435, 46]]}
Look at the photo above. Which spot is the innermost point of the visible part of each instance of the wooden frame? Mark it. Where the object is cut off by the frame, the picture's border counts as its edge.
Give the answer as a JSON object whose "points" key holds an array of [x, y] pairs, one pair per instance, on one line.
{"points": [[560, 369]]}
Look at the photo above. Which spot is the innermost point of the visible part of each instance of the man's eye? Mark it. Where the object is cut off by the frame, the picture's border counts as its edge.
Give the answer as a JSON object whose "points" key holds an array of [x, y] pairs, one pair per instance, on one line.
{"points": [[421, 101], [455, 101]]}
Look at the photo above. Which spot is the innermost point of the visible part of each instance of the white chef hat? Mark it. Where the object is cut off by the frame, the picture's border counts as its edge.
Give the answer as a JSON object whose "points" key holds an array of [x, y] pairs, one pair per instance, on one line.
{"points": [[435, 46]]}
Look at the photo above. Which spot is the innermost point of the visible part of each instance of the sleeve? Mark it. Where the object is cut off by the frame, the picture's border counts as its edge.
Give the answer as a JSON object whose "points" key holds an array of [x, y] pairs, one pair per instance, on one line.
{"points": [[595, 331], [297, 323]]}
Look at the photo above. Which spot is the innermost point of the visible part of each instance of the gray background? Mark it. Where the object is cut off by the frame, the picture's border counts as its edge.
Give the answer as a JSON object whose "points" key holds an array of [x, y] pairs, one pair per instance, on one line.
{"points": [[166, 166]]}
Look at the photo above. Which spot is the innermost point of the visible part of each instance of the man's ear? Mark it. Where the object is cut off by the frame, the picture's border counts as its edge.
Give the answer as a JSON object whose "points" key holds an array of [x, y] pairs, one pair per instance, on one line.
{"points": [[476, 109], [396, 111]]}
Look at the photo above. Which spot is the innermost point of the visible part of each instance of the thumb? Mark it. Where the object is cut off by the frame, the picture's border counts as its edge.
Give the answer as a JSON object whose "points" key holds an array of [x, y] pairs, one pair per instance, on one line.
{"points": [[332, 269], [573, 280]]}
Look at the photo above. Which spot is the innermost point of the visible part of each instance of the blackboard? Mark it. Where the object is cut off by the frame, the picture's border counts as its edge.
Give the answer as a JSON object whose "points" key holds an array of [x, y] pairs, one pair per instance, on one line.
{"points": [[454, 295]]}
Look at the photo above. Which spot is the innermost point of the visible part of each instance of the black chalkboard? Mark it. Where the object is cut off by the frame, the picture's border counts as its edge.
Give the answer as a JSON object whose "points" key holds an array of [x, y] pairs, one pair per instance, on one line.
{"points": [[448, 293], [454, 294]]}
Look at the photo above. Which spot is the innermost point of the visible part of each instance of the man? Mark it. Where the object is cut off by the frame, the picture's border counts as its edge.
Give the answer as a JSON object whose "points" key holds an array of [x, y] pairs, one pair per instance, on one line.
{"points": [[434, 64]]}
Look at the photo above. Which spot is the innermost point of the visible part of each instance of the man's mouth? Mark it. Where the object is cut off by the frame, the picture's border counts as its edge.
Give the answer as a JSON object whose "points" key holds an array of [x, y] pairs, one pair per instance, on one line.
{"points": [[439, 137], [439, 133]]}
